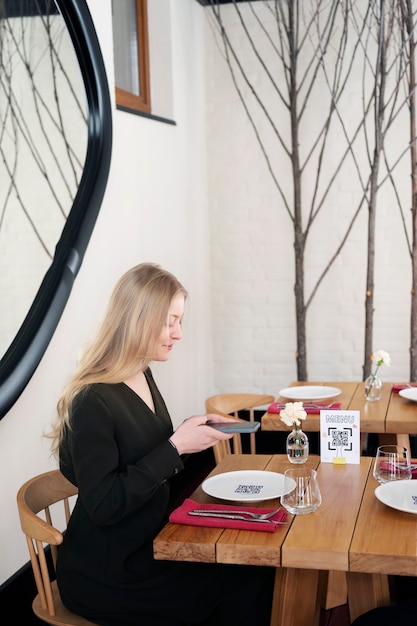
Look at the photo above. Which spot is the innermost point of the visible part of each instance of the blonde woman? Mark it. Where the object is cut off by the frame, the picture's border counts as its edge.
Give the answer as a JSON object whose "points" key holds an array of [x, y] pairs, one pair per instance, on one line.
{"points": [[115, 441]]}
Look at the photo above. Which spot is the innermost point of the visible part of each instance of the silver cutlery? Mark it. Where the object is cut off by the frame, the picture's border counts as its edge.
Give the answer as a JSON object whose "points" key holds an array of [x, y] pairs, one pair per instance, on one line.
{"points": [[255, 516], [310, 405], [232, 517]]}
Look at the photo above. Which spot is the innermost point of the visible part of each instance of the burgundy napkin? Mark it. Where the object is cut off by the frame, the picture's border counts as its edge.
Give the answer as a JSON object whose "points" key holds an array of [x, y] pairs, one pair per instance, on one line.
{"points": [[309, 408], [385, 465], [397, 388], [180, 516]]}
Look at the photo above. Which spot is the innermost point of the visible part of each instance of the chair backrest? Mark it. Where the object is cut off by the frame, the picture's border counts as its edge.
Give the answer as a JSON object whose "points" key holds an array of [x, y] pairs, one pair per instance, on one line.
{"points": [[35, 500], [230, 404]]}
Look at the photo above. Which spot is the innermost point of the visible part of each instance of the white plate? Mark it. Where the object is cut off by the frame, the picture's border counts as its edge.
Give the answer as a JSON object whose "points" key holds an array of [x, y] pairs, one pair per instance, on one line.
{"points": [[409, 394], [399, 494], [306, 392], [248, 485]]}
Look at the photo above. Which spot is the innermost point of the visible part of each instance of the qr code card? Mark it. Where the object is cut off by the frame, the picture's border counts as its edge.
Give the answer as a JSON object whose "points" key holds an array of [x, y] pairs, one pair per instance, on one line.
{"points": [[340, 437]]}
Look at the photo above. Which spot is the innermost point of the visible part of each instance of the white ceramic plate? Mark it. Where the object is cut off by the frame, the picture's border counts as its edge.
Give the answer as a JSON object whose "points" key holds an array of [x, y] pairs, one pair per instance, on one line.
{"points": [[399, 494], [248, 485], [409, 394], [307, 392]]}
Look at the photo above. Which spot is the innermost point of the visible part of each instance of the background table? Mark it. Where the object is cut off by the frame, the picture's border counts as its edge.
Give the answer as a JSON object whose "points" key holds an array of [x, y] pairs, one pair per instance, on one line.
{"points": [[392, 417]]}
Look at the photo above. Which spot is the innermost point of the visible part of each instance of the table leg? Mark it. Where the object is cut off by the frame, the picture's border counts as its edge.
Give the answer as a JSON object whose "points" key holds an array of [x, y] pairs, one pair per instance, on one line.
{"points": [[366, 592], [295, 601], [333, 589]]}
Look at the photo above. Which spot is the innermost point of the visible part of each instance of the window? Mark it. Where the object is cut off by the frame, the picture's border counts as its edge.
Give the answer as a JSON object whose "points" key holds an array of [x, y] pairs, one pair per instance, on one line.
{"points": [[131, 54]]}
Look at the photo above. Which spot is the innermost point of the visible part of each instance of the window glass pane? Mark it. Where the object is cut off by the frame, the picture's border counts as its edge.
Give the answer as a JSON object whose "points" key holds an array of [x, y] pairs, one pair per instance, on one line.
{"points": [[126, 45]]}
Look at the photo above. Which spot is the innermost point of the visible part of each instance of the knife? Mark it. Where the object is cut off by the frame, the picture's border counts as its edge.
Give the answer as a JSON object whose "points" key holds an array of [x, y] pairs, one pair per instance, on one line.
{"points": [[309, 405], [232, 516]]}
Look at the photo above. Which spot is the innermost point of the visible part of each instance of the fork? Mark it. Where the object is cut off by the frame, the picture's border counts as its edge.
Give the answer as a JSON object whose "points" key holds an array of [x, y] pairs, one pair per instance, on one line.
{"points": [[256, 516], [244, 518]]}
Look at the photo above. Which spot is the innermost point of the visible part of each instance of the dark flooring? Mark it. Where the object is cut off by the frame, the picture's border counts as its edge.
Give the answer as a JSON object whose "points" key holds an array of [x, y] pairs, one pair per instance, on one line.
{"points": [[339, 616]]}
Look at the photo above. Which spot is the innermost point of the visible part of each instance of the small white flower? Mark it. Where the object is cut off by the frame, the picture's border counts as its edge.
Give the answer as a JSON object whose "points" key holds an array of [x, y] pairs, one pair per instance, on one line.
{"points": [[381, 358], [293, 413]]}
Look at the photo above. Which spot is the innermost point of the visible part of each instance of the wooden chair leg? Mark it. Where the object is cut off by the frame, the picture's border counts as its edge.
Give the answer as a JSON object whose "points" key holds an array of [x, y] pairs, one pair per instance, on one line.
{"points": [[252, 435], [404, 440]]}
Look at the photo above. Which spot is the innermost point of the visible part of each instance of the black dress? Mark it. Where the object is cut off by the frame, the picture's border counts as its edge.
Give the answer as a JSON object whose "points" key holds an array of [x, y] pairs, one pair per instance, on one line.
{"points": [[118, 455], [401, 613]]}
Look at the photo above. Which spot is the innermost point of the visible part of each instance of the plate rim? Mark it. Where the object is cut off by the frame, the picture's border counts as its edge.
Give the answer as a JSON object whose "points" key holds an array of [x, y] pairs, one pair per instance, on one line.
{"points": [[337, 392], [240, 499], [388, 485], [406, 396]]}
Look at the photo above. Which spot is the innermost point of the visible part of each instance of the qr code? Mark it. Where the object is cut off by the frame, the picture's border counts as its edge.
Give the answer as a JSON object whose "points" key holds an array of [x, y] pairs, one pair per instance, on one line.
{"points": [[340, 439], [249, 490]]}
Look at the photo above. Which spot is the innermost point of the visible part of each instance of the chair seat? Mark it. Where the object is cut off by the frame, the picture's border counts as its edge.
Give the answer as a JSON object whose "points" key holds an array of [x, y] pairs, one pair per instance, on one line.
{"points": [[63, 616]]}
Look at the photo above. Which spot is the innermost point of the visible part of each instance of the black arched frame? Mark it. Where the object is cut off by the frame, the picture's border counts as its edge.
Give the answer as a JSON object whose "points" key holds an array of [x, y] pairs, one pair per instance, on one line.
{"points": [[26, 350]]}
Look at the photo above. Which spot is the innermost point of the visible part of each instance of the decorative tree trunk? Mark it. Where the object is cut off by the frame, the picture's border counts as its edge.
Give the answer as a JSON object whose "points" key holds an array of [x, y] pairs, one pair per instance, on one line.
{"points": [[299, 240], [379, 108]]}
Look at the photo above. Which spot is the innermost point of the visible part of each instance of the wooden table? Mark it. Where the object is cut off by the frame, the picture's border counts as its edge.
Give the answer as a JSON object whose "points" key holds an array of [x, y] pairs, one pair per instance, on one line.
{"points": [[390, 416], [352, 532]]}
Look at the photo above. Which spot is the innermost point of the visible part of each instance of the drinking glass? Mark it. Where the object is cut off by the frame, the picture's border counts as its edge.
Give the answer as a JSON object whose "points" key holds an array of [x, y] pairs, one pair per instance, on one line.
{"points": [[306, 496], [392, 463]]}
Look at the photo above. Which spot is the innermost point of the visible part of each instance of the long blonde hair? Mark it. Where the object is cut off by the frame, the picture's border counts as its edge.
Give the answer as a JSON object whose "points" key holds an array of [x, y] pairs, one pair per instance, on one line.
{"points": [[126, 339]]}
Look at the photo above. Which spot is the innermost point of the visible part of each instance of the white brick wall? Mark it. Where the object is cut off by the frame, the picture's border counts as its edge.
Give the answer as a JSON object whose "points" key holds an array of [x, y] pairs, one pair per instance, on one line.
{"points": [[254, 334]]}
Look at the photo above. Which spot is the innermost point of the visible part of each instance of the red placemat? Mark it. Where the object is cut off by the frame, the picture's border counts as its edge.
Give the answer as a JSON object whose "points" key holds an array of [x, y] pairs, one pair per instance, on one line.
{"points": [[180, 516]]}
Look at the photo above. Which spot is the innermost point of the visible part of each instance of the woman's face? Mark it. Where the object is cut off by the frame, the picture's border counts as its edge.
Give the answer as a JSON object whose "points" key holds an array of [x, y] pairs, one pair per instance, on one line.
{"points": [[172, 331]]}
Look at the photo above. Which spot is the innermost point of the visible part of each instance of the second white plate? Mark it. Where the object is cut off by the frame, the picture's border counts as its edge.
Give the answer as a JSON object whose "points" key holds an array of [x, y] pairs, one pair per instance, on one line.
{"points": [[303, 393], [248, 485], [409, 394], [399, 494]]}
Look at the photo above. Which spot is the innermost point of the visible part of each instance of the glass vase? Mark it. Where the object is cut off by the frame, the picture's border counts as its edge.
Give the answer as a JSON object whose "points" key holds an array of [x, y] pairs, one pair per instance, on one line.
{"points": [[373, 388], [297, 446]]}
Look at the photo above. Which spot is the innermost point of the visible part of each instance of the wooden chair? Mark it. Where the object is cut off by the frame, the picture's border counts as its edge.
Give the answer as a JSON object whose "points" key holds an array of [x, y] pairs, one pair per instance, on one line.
{"points": [[34, 502], [230, 404]]}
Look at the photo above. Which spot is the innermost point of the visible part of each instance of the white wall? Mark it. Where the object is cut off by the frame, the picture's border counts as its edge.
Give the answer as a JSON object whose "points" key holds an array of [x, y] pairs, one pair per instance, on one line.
{"points": [[154, 209]]}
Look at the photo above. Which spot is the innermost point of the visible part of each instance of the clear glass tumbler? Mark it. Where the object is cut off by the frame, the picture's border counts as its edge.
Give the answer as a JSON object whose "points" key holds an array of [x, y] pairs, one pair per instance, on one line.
{"points": [[392, 463], [305, 496]]}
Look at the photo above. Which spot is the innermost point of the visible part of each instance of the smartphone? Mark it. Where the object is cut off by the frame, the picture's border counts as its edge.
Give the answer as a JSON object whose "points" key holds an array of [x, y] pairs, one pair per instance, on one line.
{"points": [[236, 427]]}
